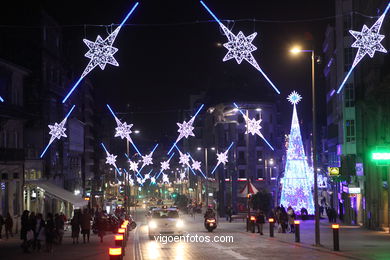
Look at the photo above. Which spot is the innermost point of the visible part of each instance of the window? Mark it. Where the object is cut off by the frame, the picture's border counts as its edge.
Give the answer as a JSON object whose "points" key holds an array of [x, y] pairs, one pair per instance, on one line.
{"points": [[241, 174], [349, 95], [348, 56], [241, 156], [259, 154], [347, 20], [350, 130], [260, 173]]}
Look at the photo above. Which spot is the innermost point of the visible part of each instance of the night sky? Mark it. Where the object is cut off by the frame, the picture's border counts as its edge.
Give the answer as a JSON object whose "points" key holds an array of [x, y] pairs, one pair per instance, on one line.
{"points": [[170, 50]]}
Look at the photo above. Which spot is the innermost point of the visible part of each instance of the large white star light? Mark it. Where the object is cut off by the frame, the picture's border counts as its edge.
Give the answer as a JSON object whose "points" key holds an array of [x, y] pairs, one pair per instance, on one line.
{"points": [[182, 175], [294, 98], [153, 180], [240, 47], [165, 178], [185, 129], [368, 41], [57, 131], [101, 52], [147, 159]]}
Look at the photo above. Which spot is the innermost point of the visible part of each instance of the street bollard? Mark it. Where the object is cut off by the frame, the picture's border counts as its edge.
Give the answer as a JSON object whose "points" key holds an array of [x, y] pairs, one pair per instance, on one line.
{"points": [[336, 244], [271, 226], [122, 231], [115, 253], [297, 231], [119, 240]]}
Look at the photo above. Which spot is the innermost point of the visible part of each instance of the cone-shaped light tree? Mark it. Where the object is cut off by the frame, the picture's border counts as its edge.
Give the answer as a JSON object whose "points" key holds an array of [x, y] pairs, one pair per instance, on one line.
{"points": [[297, 182]]}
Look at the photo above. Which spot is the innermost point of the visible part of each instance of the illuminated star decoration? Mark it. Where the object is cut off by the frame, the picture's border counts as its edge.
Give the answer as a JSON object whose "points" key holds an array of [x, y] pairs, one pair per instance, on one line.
{"points": [[57, 131], [368, 41], [253, 126], [139, 180], [182, 175], [147, 176], [147, 159], [184, 159], [195, 165], [294, 98], [186, 129], [222, 157], [123, 130], [110, 158], [131, 182], [164, 166], [165, 178], [133, 166], [240, 47], [152, 180], [100, 52]]}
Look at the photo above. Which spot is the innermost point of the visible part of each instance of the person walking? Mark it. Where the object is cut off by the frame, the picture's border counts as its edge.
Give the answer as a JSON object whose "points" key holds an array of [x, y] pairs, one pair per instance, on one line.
{"points": [[8, 225], [24, 230], [86, 224], [50, 232], [2, 222], [283, 218], [260, 220], [59, 224], [75, 223], [291, 218], [101, 226], [39, 232]]}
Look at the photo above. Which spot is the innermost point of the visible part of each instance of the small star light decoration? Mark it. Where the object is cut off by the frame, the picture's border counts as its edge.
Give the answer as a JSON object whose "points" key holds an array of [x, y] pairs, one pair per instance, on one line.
{"points": [[147, 176], [153, 180], [165, 178], [184, 159], [139, 180], [294, 98], [182, 175], [57, 130], [253, 126], [185, 129], [111, 159], [123, 130], [147, 159], [165, 165], [133, 166], [131, 182], [195, 165], [222, 157]]}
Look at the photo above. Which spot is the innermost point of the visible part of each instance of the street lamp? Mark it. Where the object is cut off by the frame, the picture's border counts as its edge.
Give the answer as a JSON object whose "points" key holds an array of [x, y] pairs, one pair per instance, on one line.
{"points": [[296, 51], [206, 170]]}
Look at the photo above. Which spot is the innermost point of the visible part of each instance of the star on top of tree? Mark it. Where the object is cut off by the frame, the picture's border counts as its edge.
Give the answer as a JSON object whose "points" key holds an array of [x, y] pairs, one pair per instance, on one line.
{"points": [[294, 98]]}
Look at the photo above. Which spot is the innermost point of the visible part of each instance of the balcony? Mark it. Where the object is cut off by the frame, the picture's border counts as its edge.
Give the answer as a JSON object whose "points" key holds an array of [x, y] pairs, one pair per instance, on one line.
{"points": [[11, 154]]}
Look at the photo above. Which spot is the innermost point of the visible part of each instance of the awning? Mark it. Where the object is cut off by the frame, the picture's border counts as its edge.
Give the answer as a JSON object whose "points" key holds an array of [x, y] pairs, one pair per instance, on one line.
{"points": [[244, 191], [59, 192]]}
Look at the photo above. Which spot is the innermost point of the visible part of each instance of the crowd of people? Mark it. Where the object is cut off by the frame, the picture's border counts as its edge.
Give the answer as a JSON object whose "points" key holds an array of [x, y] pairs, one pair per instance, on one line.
{"points": [[37, 231]]}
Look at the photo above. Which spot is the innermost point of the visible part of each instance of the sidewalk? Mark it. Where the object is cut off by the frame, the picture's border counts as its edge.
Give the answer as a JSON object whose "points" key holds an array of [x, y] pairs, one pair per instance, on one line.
{"points": [[355, 242], [94, 250]]}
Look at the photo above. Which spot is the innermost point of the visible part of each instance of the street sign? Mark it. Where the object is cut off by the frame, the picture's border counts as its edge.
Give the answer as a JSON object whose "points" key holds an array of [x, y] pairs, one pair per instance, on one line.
{"points": [[334, 171]]}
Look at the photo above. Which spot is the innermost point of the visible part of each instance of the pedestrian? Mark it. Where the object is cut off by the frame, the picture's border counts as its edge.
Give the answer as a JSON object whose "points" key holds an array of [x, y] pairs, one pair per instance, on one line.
{"points": [[101, 226], [39, 232], [291, 218], [86, 224], [75, 223], [304, 213], [33, 221], [8, 225], [2, 222], [260, 220], [283, 219], [229, 214], [329, 214], [50, 232], [60, 225], [25, 231]]}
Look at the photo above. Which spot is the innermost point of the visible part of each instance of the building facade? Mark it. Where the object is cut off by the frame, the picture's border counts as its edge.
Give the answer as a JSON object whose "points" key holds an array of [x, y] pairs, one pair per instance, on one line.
{"points": [[357, 118]]}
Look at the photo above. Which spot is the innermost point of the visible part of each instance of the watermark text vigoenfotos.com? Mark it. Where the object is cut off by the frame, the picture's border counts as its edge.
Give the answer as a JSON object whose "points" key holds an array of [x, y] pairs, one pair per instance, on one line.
{"points": [[164, 239]]}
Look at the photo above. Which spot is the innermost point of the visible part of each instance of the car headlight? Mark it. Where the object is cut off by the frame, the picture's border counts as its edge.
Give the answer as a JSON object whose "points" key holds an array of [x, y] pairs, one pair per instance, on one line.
{"points": [[179, 224], [152, 224]]}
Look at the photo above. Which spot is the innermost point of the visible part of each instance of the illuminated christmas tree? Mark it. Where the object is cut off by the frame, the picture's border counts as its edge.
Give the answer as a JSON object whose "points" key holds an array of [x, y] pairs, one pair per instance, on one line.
{"points": [[297, 182]]}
